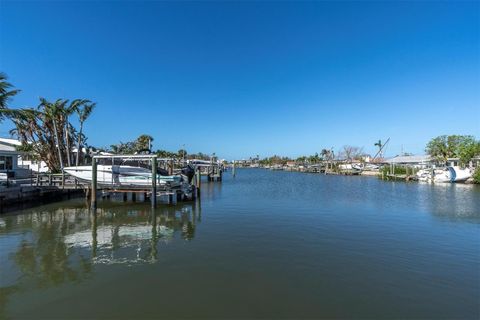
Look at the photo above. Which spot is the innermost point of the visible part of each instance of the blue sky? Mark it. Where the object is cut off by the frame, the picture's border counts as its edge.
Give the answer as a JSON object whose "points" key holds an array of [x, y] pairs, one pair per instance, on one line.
{"points": [[248, 78]]}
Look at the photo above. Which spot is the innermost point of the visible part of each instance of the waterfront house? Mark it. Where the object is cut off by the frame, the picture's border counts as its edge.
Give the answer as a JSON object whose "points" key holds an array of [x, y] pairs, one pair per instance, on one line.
{"points": [[8, 156], [15, 163], [422, 161], [474, 163]]}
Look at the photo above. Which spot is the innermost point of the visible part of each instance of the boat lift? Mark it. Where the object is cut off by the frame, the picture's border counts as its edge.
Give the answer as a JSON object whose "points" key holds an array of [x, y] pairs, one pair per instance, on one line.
{"points": [[153, 159]]}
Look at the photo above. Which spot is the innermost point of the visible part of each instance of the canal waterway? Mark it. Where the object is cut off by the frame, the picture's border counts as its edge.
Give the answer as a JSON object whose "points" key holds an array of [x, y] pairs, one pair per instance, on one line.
{"points": [[265, 244]]}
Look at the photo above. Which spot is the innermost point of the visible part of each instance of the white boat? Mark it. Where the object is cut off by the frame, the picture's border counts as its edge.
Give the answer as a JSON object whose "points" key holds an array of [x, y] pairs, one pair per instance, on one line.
{"points": [[447, 175], [354, 168], [458, 174], [120, 175]]}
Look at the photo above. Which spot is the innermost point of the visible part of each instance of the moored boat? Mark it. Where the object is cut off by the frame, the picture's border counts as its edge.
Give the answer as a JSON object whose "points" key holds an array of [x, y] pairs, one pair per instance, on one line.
{"points": [[450, 174], [120, 175]]}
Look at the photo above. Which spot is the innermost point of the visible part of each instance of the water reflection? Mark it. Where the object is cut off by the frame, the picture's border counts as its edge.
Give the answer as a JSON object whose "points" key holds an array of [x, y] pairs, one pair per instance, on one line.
{"points": [[50, 246], [132, 237]]}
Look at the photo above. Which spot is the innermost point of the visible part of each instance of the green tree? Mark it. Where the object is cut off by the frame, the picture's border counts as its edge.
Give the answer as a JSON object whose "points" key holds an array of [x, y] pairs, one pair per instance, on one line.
{"points": [[476, 176], [6, 94], [454, 146], [182, 153], [143, 142], [46, 130], [468, 149], [84, 109]]}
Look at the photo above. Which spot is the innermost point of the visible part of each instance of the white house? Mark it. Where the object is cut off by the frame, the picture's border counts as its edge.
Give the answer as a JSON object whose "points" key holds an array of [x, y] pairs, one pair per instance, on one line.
{"points": [[9, 156], [15, 163]]}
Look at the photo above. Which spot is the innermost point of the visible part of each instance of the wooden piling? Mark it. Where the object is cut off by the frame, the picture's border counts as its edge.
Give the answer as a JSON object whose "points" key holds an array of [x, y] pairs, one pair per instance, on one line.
{"points": [[170, 167], [154, 182], [198, 181], [93, 203], [233, 168]]}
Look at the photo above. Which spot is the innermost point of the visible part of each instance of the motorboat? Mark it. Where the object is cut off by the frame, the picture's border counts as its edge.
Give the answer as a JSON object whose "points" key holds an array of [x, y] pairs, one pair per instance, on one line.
{"points": [[458, 174], [447, 175], [122, 175], [353, 168]]}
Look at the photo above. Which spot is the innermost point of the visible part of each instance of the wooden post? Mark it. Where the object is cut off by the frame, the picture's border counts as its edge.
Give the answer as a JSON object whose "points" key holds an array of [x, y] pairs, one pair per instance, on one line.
{"points": [[233, 169], [154, 182], [94, 233], [93, 202], [153, 248], [170, 169], [198, 182]]}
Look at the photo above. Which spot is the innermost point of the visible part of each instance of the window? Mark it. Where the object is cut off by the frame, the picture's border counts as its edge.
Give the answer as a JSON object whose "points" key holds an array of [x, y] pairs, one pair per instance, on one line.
{"points": [[6, 163]]}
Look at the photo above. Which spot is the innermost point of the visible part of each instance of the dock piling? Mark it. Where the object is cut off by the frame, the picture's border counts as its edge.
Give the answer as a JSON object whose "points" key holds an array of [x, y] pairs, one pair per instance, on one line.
{"points": [[198, 181], [154, 182], [93, 203]]}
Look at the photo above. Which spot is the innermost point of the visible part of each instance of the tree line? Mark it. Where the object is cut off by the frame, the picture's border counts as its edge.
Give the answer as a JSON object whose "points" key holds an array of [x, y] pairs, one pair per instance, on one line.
{"points": [[348, 153], [143, 144], [441, 148], [48, 134], [46, 131]]}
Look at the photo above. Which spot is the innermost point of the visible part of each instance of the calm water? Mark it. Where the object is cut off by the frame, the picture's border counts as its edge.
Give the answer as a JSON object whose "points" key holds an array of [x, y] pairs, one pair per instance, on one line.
{"points": [[264, 244]]}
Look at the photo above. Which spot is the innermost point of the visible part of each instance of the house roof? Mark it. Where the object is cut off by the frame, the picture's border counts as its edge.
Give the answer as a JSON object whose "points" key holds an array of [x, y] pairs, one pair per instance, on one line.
{"points": [[13, 142], [8, 145], [409, 159]]}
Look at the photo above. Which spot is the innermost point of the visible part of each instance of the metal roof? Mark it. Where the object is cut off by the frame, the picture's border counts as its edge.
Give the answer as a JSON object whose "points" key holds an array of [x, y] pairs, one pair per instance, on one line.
{"points": [[410, 159]]}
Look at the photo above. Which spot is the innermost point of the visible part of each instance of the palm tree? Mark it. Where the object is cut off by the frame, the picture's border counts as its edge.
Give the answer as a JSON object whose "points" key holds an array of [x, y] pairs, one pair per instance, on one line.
{"points": [[5, 93], [54, 117], [143, 143], [83, 109], [46, 130]]}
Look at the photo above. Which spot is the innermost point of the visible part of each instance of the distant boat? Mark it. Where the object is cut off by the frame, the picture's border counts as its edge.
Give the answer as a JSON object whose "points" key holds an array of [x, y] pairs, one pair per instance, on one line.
{"points": [[203, 163], [448, 175], [353, 168], [114, 175]]}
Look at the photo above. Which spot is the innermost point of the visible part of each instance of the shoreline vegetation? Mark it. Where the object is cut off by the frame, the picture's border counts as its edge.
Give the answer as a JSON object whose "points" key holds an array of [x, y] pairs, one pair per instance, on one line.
{"points": [[459, 150], [47, 134], [462, 150]]}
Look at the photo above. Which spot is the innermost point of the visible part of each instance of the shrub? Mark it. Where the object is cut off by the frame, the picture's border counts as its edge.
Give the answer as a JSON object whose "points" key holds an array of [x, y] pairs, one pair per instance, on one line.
{"points": [[476, 175]]}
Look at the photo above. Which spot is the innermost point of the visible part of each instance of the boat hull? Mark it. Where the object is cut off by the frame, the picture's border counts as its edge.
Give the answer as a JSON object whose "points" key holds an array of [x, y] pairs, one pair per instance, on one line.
{"points": [[121, 176]]}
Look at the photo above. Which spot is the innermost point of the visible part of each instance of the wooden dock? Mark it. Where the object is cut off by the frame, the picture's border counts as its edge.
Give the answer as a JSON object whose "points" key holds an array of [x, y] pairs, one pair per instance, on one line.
{"points": [[44, 186], [40, 188]]}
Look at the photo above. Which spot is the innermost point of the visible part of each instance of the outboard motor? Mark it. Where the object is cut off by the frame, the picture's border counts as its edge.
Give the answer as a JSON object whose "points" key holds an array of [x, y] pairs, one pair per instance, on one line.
{"points": [[162, 172], [189, 172]]}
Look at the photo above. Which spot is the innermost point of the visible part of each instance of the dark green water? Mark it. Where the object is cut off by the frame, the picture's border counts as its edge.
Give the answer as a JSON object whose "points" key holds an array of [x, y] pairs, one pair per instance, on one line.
{"points": [[263, 245]]}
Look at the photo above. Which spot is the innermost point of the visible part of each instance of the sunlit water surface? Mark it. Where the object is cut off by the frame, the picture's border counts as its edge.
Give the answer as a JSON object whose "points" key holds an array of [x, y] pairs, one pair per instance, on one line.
{"points": [[262, 244]]}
